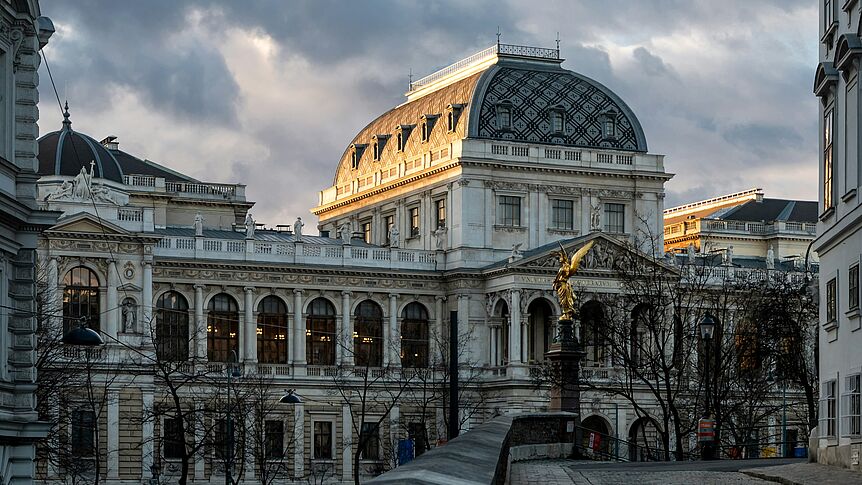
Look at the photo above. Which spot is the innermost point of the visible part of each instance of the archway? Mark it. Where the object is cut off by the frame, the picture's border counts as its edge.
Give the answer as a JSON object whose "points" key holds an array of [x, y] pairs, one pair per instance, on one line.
{"points": [[645, 441], [599, 444], [501, 334], [542, 329]]}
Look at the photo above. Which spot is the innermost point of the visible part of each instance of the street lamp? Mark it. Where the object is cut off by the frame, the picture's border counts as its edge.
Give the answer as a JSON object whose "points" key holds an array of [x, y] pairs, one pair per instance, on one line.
{"points": [[83, 335], [232, 371], [290, 397], [707, 330]]}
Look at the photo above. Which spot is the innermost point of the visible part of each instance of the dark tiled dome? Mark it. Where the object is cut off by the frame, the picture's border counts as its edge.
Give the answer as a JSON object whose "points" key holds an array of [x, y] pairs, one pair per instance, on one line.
{"points": [[66, 151]]}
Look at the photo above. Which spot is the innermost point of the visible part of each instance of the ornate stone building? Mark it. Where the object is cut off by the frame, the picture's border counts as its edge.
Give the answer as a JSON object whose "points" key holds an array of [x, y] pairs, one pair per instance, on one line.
{"points": [[839, 233], [452, 201], [23, 31]]}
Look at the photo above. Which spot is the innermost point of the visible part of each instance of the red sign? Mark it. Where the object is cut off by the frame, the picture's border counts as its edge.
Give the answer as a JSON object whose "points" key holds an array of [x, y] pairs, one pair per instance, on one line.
{"points": [[706, 430], [595, 441]]}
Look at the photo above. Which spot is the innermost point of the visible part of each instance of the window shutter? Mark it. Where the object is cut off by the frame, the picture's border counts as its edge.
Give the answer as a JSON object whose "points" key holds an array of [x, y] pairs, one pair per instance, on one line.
{"points": [[823, 421]]}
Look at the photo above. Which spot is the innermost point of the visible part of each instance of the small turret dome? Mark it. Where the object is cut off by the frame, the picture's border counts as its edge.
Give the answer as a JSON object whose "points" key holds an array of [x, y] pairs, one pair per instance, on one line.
{"points": [[66, 152]]}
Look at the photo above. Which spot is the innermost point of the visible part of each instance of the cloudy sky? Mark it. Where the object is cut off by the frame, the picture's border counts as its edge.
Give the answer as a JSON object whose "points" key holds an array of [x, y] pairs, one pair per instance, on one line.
{"points": [[269, 93]]}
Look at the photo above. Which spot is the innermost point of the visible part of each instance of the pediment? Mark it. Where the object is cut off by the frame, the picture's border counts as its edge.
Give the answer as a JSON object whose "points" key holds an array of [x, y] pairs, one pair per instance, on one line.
{"points": [[128, 287], [87, 223]]}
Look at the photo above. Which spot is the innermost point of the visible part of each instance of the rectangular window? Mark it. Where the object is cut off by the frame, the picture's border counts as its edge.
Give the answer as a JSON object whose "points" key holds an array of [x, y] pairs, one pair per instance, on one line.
{"points": [[828, 14], [831, 300], [370, 441], [417, 432], [83, 433], [853, 287], [414, 221], [615, 218], [827, 160], [274, 439], [441, 212], [220, 439], [322, 440], [562, 214], [851, 405], [556, 121], [828, 409], [510, 211], [366, 232], [172, 438]]}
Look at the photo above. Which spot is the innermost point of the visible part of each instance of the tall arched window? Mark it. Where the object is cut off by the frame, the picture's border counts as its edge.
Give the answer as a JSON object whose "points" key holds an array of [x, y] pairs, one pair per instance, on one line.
{"points": [[414, 336], [222, 328], [320, 333], [172, 327], [80, 299], [593, 334], [368, 335], [272, 331]]}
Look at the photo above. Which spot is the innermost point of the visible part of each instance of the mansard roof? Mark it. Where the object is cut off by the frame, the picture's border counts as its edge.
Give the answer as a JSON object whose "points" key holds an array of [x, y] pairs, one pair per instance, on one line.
{"points": [[529, 85]]}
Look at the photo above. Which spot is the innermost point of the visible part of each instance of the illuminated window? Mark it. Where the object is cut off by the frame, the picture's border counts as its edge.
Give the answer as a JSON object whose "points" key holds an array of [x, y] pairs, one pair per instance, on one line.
{"points": [[222, 328], [320, 333], [172, 327], [414, 221], [414, 336], [368, 335], [272, 336], [80, 299], [827, 160], [440, 206]]}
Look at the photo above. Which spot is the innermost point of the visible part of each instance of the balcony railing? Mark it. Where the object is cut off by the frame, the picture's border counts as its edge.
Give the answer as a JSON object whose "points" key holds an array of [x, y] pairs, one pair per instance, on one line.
{"points": [[759, 228], [159, 184]]}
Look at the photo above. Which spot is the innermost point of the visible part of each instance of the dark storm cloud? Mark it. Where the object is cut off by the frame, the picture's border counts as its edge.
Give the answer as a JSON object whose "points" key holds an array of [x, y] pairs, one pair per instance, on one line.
{"points": [[721, 88]]}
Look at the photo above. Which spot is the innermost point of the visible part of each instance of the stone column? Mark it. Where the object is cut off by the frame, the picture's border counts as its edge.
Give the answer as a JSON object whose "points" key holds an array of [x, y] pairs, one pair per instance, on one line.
{"points": [[200, 329], [298, 440], [147, 297], [249, 457], [147, 430], [113, 428], [112, 319], [394, 428], [515, 329], [55, 294], [394, 332], [347, 445], [249, 335], [346, 332], [392, 354], [439, 313], [493, 344], [298, 334]]}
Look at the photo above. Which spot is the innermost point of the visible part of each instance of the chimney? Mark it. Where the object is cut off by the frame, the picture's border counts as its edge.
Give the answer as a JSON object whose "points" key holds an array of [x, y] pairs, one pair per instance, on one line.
{"points": [[111, 143]]}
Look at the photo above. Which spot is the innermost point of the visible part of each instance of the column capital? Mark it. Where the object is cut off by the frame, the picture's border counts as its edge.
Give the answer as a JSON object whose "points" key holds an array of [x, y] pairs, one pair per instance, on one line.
{"points": [[463, 296], [146, 263], [346, 293], [440, 298], [298, 291], [249, 289], [393, 296], [200, 287]]}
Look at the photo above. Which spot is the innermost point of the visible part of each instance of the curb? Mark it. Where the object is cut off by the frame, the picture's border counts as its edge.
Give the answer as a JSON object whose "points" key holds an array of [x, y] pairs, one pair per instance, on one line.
{"points": [[770, 478]]}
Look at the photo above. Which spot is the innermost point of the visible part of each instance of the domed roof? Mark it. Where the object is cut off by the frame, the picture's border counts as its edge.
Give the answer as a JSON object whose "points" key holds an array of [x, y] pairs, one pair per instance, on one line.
{"points": [[66, 152]]}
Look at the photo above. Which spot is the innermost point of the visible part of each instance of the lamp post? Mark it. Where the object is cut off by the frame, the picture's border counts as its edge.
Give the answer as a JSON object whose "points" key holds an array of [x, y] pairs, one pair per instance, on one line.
{"points": [[707, 329], [232, 371]]}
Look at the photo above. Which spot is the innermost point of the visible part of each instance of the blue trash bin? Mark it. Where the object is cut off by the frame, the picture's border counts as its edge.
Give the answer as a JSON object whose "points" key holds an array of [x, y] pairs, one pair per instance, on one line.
{"points": [[800, 452]]}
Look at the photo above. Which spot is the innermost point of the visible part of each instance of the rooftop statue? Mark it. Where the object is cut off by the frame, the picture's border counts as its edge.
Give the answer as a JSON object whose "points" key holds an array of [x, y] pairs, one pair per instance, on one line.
{"points": [[568, 267]]}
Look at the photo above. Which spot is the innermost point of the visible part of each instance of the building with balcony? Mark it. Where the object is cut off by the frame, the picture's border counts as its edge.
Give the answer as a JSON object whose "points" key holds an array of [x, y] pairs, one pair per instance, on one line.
{"points": [[839, 233], [23, 31], [455, 200]]}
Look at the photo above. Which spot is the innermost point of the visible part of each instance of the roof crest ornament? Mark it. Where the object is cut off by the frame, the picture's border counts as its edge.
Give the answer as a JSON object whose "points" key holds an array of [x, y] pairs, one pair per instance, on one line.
{"points": [[67, 123]]}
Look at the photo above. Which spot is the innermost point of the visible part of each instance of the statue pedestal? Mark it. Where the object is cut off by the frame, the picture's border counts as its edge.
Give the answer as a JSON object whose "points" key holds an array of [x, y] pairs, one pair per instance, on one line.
{"points": [[564, 357]]}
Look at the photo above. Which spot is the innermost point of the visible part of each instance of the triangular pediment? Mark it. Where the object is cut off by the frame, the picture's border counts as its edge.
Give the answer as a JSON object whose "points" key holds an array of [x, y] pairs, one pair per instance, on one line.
{"points": [[129, 287], [87, 223]]}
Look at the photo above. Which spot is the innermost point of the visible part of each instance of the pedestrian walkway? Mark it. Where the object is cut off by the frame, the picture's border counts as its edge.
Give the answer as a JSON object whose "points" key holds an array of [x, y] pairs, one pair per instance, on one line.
{"points": [[558, 472], [806, 474]]}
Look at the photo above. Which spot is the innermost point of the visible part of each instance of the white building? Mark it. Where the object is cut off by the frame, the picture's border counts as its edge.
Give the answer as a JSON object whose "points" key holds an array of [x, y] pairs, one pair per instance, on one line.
{"points": [[839, 233], [23, 31]]}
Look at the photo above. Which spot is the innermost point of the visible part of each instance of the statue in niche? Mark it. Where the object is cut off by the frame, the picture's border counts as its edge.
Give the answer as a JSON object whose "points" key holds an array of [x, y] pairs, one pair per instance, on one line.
{"points": [[199, 224], [297, 229], [596, 217], [249, 226], [130, 315], [440, 235], [394, 236], [770, 258]]}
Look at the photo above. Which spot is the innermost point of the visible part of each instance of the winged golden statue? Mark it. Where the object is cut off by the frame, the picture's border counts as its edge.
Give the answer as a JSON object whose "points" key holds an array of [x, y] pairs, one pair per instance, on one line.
{"points": [[568, 267]]}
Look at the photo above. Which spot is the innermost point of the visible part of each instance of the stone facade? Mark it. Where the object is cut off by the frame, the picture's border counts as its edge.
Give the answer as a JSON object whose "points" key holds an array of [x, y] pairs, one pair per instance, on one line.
{"points": [[839, 233]]}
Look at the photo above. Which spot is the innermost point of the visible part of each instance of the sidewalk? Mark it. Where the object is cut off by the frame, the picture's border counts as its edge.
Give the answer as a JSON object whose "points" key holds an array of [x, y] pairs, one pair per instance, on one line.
{"points": [[805, 474]]}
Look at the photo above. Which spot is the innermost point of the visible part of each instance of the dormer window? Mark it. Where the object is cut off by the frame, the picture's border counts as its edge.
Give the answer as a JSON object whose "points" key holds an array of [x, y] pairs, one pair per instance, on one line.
{"points": [[608, 121], [402, 133], [504, 116], [426, 125], [356, 154], [556, 120], [453, 112], [377, 144]]}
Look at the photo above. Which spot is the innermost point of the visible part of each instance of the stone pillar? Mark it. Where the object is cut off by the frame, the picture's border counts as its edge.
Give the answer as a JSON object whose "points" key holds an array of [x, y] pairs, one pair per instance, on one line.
{"points": [[493, 345], [147, 430], [249, 335], [298, 334], [112, 319], [298, 439], [147, 296], [346, 333], [464, 327], [392, 342], [55, 295], [249, 457], [565, 355], [439, 310], [347, 445], [394, 427], [200, 329], [515, 329], [113, 429], [200, 459]]}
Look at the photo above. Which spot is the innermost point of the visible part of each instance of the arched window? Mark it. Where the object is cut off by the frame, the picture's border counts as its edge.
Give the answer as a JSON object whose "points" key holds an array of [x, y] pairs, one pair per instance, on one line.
{"points": [[272, 331], [172, 327], [320, 333], [593, 334], [80, 299], [368, 335], [222, 328], [414, 336]]}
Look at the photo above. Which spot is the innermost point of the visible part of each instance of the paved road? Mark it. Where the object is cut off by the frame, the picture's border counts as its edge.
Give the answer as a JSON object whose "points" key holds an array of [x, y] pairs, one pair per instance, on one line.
{"points": [[650, 473]]}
